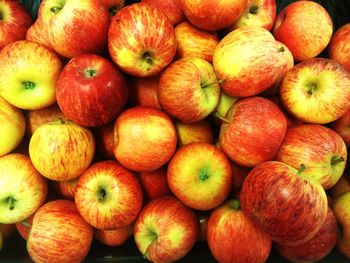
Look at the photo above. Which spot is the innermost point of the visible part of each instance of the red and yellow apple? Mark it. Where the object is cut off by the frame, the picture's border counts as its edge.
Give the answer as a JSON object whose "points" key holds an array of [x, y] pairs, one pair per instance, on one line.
{"points": [[115, 237], [200, 131], [66, 189], [342, 126], [144, 92], [171, 8], [339, 47]]}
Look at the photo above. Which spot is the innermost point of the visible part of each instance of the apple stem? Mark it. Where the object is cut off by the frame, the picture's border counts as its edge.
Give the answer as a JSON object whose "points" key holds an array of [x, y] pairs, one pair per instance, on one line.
{"points": [[253, 9], [221, 117], [90, 73], [281, 49], [301, 169], [312, 87], [336, 160], [26, 224], [11, 201], [28, 84], [147, 57], [203, 86], [203, 175], [55, 9], [155, 237], [102, 194]]}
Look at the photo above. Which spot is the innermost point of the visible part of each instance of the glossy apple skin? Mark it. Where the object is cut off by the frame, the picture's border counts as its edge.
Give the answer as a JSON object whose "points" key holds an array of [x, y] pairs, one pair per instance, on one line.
{"points": [[305, 27], [253, 132], [287, 206], [59, 234], [21, 181], [23, 62], [341, 208], [15, 22], [233, 237], [199, 175], [61, 150], [144, 92], [342, 186], [194, 42], [317, 247], [115, 237], [91, 91], [342, 126], [172, 9], [104, 138], [249, 60], [212, 14], [165, 230], [339, 47], [200, 131], [122, 195], [23, 227], [152, 134], [66, 189], [141, 40], [316, 91]]}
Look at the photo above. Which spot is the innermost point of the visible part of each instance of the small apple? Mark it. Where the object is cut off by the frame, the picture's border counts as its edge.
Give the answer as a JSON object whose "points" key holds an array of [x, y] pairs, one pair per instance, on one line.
{"points": [[339, 47], [342, 186], [171, 8], [104, 138], [239, 173], [342, 126], [24, 227], [200, 131], [144, 92], [66, 189], [115, 237]]}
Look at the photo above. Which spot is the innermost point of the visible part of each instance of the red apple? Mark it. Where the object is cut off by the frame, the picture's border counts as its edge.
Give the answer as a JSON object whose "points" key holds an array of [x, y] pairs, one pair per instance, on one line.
{"points": [[172, 9], [66, 189], [200, 131], [239, 173], [342, 126], [339, 47], [24, 227], [104, 138], [38, 33], [154, 184], [144, 92], [342, 186], [115, 237]]}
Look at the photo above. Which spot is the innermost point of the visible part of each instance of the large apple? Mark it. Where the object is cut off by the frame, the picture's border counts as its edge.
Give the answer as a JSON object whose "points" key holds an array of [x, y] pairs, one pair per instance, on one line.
{"points": [[286, 205], [316, 90], [339, 47], [233, 237], [172, 9], [199, 175], [91, 91], [23, 189], [108, 195], [141, 40], [61, 150], [342, 126], [152, 135], [115, 237], [165, 230], [28, 75], [144, 92], [200, 131]]}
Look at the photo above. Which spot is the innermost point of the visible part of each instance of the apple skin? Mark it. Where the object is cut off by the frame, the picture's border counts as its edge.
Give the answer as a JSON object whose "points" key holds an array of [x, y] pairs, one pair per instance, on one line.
{"points": [[12, 127], [115, 237], [38, 33], [233, 237], [91, 91], [253, 131], [61, 150], [339, 47], [165, 230], [239, 173], [59, 234], [66, 189], [342, 126], [23, 227], [108, 195], [249, 60], [317, 247], [104, 138], [28, 75], [23, 189], [288, 206], [342, 186], [199, 175], [194, 42], [200, 131], [141, 40], [144, 92], [316, 91], [305, 27], [188, 89], [152, 134], [113, 6], [15, 21], [172, 9], [212, 14]]}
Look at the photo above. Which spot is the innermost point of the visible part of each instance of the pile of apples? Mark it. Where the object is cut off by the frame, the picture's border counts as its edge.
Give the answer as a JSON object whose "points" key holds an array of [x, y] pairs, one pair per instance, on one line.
{"points": [[175, 121]]}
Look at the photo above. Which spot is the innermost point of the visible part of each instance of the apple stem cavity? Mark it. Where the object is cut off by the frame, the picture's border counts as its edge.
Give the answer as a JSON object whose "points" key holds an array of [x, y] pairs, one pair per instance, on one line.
{"points": [[147, 57], [301, 169], [90, 73], [336, 160], [11, 201], [55, 9], [311, 88], [235, 204], [101, 194], [28, 84], [281, 49], [203, 175], [1, 16], [154, 238], [205, 85], [253, 9]]}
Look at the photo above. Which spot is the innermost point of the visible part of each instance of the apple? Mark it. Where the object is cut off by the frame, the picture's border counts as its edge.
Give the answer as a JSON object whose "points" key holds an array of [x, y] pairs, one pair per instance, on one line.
{"points": [[115, 237], [172, 9], [91, 91], [23, 189], [61, 150], [165, 230], [113, 6], [28, 75], [199, 175], [317, 247], [239, 173], [14, 22], [339, 47], [249, 60], [38, 33], [225, 103], [141, 40], [104, 138], [66, 189], [305, 27], [144, 92], [59, 234], [342, 126], [233, 237], [108, 195], [342, 186], [152, 135], [188, 89], [316, 90], [24, 227], [213, 14], [194, 42], [200, 131], [284, 203], [253, 131]]}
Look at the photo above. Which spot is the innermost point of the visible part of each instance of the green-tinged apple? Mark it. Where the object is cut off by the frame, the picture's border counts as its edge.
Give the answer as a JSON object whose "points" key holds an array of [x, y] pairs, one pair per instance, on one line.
{"points": [[316, 90], [225, 103], [199, 175], [342, 186], [200, 131], [249, 60], [14, 22], [28, 75], [66, 189], [305, 27], [233, 237], [115, 237], [141, 40], [61, 150], [286, 205], [113, 6], [12, 127], [23, 189], [23, 227], [172, 9], [213, 14], [38, 33], [152, 135], [194, 42], [104, 138], [339, 47], [189, 90], [91, 91], [320, 150], [253, 131], [342, 126], [108, 195], [166, 230], [59, 234], [144, 92]]}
